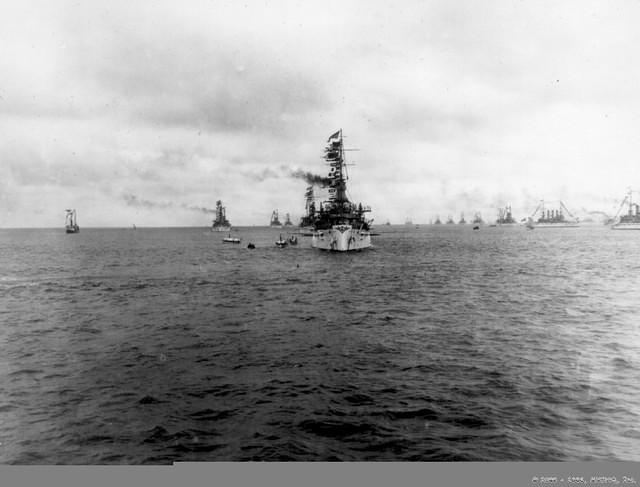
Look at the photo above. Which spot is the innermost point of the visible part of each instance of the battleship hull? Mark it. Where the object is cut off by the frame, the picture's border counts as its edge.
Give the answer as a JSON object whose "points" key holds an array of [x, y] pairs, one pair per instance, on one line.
{"points": [[556, 225], [221, 229], [341, 238], [626, 226]]}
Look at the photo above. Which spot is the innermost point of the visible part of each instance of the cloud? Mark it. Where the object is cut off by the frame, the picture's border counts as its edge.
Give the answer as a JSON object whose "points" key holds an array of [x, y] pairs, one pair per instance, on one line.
{"points": [[454, 106]]}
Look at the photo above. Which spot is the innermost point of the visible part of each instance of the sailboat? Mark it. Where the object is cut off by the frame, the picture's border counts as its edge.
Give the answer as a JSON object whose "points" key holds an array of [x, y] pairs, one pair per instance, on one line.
{"points": [[71, 222], [340, 225], [220, 224], [552, 218], [630, 221]]}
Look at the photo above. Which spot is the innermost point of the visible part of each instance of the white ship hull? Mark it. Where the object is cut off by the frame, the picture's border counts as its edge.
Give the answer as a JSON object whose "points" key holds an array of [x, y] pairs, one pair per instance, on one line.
{"points": [[626, 226], [341, 238], [220, 229], [556, 225]]}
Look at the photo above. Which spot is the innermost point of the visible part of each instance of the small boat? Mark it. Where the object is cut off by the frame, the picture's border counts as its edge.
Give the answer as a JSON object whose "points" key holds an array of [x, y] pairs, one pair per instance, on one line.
{"points": [[71, 224], [476, 227], [293, 240], [251, 246], [231, 239], [281, 243]]}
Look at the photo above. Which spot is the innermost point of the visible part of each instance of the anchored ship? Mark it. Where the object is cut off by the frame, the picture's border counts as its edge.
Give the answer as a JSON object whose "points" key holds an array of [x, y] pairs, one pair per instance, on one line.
{"points": [[505, 218], [275, 222], [220, 224], [287, 221], [71, 223], [437, 222], [339, 224], [552, 218], [450, 220], [630, 221], [477, 219], [462, 220]]}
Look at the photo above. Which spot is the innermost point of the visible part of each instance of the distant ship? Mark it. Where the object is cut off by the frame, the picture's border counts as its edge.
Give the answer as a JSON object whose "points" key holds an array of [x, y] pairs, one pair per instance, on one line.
{"points": [[450, 220], [630, 221], [71, 223], [306, 222], [388, 223], [408, 221], [437, 222], [287, 221], [275, 222], [477, 219], [462, 220], [505, 218], [552, 218], [220, 224], [339, 224]]}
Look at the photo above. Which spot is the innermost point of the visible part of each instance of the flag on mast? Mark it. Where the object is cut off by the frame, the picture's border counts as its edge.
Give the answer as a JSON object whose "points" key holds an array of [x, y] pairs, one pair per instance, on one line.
{"points": [[334, 136]]}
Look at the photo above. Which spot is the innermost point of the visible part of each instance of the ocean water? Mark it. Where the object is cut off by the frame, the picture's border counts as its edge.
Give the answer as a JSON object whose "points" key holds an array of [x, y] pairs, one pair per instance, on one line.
{"points": [[441, 343]]}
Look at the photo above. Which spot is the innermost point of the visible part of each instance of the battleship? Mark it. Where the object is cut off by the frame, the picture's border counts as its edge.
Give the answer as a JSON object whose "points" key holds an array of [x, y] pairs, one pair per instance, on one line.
{"points": [[630, 221], [552, 218], [450, 220], [505, 218], [287, 221], [275, 222], [339, 225], [71, 223], [462, 220], [477, 219], [306, 222], [437, 222], [220, 224]]}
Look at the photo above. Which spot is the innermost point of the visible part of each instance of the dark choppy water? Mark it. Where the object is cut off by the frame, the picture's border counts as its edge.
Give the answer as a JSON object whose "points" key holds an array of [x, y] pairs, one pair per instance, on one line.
{"points": [[441, 343]]}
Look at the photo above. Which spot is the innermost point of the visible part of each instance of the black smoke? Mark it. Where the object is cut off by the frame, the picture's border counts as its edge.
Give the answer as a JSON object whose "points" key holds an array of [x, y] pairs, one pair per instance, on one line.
{"points": [[311, 178], [133, 200]]}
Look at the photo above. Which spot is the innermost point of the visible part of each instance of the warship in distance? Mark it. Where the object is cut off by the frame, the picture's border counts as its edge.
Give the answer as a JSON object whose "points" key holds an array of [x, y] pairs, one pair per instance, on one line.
{"points": [[552, 218], [275, 222], [505, 218], [630, 221], [339, 224], [71, 223], [220, 224], [287, 221]]}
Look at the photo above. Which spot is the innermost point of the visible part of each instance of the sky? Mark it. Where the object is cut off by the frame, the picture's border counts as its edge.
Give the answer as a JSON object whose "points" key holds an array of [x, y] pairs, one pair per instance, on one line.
{"points": [[148, 112]]}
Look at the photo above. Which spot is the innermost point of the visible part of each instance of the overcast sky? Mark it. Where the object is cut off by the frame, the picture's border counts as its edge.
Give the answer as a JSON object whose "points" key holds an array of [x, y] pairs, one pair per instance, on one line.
{"points": [[148, 112]]}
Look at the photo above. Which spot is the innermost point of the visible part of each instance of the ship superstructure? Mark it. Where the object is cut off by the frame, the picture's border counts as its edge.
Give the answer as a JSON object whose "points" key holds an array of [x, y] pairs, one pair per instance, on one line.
{"points": [[339, 224], [220, 224], [505, 218], [71, 222], [552, 218], [630, 221], [275, 222]]}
